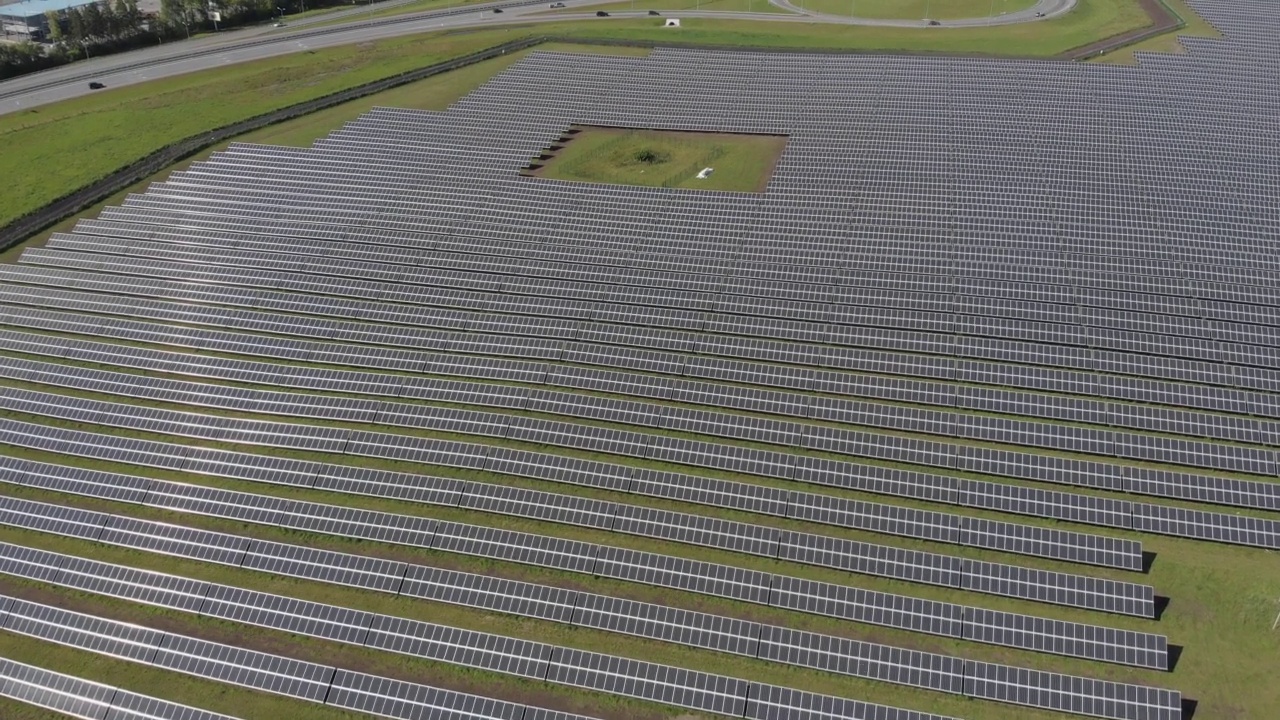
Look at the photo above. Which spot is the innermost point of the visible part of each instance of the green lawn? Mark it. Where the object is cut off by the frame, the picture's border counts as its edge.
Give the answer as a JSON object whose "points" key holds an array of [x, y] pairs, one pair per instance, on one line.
{"points": [[653, 158], [915, 9]]}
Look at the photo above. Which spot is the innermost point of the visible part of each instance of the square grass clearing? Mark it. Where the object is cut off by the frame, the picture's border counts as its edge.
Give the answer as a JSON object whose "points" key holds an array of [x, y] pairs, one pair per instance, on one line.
{"points": [[662, 158]]}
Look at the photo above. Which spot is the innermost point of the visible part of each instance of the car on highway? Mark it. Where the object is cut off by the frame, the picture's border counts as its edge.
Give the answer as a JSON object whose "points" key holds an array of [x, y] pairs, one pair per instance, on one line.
{"points": [[279, 24], [1039, 14], [497, 10], [654, 12], [601, 13], [556, 5], [95, 85]]}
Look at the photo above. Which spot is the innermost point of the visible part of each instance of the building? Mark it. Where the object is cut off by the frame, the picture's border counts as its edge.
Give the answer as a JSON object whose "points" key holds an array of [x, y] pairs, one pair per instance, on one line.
{"points": [[26, 20]]}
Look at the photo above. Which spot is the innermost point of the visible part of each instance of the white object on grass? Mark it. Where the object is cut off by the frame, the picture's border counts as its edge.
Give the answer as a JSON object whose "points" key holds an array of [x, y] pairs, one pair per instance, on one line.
{"points": [[672, 22], [706, 172]]}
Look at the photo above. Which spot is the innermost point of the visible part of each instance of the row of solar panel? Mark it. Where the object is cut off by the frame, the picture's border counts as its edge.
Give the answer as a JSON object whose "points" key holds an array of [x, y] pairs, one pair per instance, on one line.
{"points": [[830, 356], [578, 556], [842, 276], [942, 527], [853, 267], [550, 329], [956, 491], [694, 390], [76, 697], [658, 359], [1080, 411], [1042, 468], [268, 179], [277, 674], [777, 432], [412, 157], [516, 314], [1117, 473], [280, 266], [903, 612], [537, 660], [806, 152], [521, 264]]}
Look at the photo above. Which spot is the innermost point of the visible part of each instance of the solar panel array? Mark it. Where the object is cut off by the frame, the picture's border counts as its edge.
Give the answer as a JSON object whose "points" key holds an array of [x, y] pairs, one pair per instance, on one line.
{"points": [[558, 664], [250, 669], [76, 697], [979, 337]]}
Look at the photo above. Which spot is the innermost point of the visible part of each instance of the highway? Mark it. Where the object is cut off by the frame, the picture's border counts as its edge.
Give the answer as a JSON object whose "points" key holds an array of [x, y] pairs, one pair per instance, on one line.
{"points": [[345, 27]]}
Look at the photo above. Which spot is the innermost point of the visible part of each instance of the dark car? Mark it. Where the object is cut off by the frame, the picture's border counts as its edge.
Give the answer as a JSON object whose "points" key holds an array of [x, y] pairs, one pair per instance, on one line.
{"points": [[95, 85], [497, 10], [934, 22], [654, 12], [601, 13]]}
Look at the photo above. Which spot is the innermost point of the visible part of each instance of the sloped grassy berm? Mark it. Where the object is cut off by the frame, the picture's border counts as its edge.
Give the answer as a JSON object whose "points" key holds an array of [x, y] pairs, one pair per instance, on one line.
{"points": [[662, 158]]}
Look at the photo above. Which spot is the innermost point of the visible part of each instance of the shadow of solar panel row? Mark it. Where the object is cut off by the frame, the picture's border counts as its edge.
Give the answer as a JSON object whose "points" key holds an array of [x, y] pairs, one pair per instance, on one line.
{"points": [[70, 695], [1008, 498], [804, 321], [536, 660], [776, 348], [807, 548], [602, 612], [1029, 540], [252, 669]]}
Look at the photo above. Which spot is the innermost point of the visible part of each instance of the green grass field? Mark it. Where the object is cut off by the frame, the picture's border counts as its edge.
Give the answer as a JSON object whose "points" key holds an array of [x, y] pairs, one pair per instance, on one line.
{"points": [[915, 9], [741, 163]]}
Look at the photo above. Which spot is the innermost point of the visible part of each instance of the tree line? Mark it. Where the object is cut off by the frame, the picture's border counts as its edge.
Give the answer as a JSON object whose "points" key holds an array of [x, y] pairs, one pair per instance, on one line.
{"points": [[110, 26]]}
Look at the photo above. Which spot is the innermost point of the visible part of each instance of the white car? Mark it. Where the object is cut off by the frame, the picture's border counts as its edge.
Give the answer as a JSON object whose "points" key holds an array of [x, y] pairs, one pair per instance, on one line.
{"points": [[557, 5]]}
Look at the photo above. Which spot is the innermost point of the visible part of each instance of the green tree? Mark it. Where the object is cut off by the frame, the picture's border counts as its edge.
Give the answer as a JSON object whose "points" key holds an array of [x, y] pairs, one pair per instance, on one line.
{"points": [[128, 19], [95, 23], [54, 19], [76, 25]]}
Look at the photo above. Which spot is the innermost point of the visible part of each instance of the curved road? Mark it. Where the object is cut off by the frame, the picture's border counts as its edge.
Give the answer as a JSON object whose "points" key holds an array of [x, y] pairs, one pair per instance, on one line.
{"points": [[255, 43], [1043, 10]]}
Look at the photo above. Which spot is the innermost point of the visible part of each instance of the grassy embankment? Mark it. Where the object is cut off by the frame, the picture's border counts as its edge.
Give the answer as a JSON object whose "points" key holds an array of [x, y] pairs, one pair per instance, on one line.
{"points": [[1167, 43]]}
